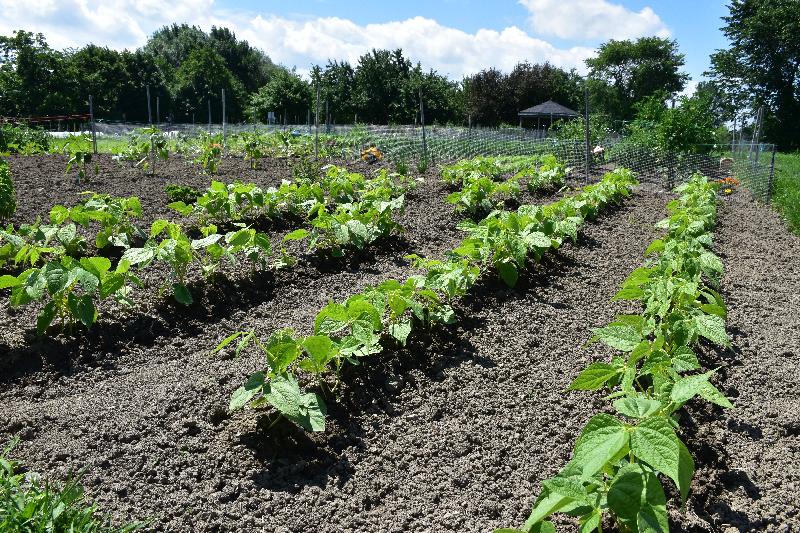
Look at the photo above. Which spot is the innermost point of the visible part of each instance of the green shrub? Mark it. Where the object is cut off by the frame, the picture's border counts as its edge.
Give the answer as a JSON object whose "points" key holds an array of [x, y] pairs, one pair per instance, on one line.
{"points": [[181, 193], [23, 139], [8, 197]]}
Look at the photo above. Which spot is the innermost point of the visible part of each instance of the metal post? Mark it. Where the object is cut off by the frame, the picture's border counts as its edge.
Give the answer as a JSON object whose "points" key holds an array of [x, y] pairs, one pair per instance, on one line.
{"points": [[91, 118], [149, 107], [327, 117], [209, 114], [586, 128], [771, 175], [733, 136], [316, 124], [223, 116], [158, 110], [422, 120]]}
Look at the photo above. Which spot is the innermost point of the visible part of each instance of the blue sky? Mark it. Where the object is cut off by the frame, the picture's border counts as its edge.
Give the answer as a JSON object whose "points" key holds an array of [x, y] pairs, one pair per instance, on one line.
{"points": [[456, 37]]}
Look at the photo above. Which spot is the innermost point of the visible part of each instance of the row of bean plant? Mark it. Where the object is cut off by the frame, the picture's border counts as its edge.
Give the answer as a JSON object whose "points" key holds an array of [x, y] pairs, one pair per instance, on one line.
{"points": [[485, 181], [386, 314], [619, 460], [71, 285]]}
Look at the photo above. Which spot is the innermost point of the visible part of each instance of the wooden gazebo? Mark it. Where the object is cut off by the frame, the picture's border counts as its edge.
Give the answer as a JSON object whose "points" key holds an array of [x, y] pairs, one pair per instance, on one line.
{"points": [[549, 111]]}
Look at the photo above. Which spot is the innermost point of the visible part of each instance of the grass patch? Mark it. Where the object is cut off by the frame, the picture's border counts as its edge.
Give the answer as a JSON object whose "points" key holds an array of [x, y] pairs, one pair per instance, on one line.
{"points": [[787, 188], [28, 504]]}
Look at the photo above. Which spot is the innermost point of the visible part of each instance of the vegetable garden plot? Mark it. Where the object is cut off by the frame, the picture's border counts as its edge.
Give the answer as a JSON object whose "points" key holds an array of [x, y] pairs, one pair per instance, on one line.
{"points": [[470, 392], [452, 408]]}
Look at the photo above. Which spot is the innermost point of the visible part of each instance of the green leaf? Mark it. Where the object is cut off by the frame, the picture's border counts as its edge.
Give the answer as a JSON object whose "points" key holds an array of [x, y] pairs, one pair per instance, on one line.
{"points": [[688, 387], [709, 262], [331, 319], [621, 337], [136, 256], [603, 440], [306, 410], [538, 239], [111, 284], [182, 294], [638, 500], [637, 406], [712, 328], [709, 392], [246, 392], [400, 331], [282, 350], [508, 272], [296, 235], [96, 265], [594, 377], [45, 318], [655, 442], [320, 349], [226, 341], [7, 281], [684, 359], [657, 246], [82, 308]]}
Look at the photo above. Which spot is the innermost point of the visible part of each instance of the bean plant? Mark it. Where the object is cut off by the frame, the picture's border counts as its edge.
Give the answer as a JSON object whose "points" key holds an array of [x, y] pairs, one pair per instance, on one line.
{"points": [[619, 458], [79, 150]]}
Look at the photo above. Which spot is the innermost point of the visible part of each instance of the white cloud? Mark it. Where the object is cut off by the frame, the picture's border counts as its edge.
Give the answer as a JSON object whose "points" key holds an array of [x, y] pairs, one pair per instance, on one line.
{"points": [[293, 42], [592, 19], [448, 50]]}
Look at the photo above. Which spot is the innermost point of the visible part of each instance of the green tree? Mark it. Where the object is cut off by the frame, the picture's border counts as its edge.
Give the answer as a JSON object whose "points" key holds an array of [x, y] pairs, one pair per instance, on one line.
{"points": [[337, 86], [485, 96], [687, 127], [762, 64], [201, 77], [251, 66], [380, 81], [34, 79], [286, 94], [626, 72]]}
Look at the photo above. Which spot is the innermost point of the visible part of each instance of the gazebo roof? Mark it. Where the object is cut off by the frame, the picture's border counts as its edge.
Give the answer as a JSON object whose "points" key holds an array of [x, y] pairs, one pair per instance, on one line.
{"points": [[547, 109]]}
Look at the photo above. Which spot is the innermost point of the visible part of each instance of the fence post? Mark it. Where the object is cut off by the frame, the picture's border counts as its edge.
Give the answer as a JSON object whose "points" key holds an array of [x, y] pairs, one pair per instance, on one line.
{"points": [[94, 133], [770, 183], [223, 116], [158, 110], [422, 120], [149, 110], [316, 128], [586, 128], [209, 114]]}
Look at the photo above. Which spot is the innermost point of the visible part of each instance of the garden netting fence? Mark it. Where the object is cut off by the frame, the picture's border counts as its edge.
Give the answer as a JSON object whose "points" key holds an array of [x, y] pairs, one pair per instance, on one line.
{"points": [[751, 165]]}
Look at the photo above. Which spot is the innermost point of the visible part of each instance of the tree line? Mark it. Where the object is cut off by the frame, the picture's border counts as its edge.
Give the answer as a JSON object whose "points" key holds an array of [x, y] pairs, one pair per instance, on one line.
{"points": [[186, 68]]}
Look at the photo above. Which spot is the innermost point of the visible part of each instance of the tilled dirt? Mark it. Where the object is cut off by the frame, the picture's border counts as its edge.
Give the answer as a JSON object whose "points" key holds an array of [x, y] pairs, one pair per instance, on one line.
{"points": [[453, 433], [749, 455]]}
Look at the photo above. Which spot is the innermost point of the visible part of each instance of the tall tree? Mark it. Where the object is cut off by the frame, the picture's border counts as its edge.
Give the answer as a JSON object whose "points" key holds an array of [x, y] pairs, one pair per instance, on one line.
{"points": [[200, 78], [34, 79], [286, 94], [486, 95], [762, 64], [379, 79], [626, 72]]}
